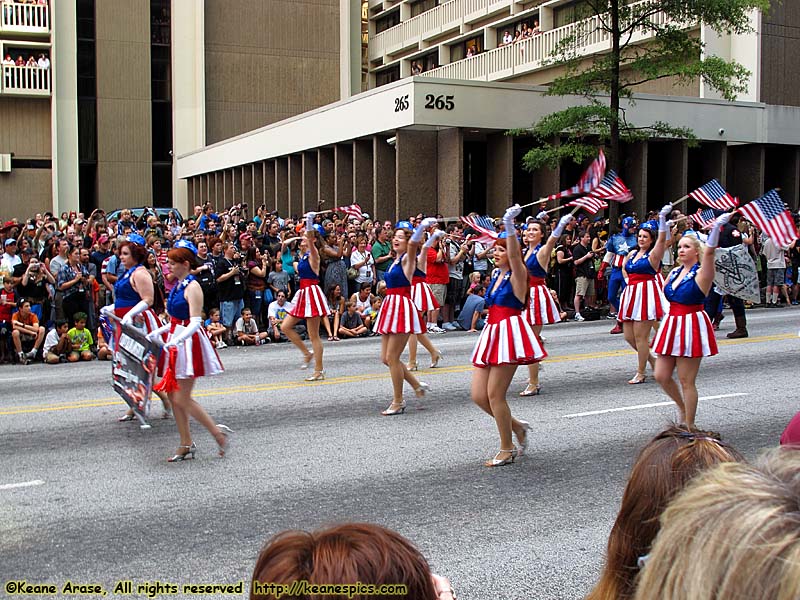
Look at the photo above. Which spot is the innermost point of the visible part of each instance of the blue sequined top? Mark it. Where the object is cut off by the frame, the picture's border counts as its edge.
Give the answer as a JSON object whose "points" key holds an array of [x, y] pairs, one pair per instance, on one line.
{"points": [[304, 269], [534, 268], [687, 292], [395, 277], [177, 305], [503, 295], [641, 266], [124, 294]]}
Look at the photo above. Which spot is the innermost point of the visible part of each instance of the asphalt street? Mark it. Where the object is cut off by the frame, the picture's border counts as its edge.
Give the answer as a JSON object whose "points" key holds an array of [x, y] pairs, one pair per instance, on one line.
{"points": [[87, 499]]}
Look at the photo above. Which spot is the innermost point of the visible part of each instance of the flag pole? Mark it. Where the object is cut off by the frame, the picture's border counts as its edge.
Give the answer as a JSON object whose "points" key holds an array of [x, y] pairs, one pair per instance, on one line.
{"points": [[539, 201], [680, 200]]}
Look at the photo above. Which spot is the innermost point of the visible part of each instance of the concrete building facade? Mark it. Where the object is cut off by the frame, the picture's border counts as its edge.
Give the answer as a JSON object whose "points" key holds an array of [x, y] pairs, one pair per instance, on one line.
{"points": [[132, 84], [430, 134]]}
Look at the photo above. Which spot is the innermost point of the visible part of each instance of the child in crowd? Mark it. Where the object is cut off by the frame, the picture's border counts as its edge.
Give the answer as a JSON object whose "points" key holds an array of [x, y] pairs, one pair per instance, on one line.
{"points": [[247, 333], [81, 339], [372, 312], [351, 325], [26, 330], [57, 343], [215, 328], [474, 281], [103, 350]]}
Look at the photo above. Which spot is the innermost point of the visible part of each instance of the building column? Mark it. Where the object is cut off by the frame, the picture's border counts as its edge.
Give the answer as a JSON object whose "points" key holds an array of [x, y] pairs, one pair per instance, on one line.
{"points": [[715, 161], [362, 174], [64, 107], [746, 171], [237, 179], [270, 185], [310, 182], [383, 179], [416, 174], [228, 186], [247, 189], [450, 178], [326, 180], [258, 187], [295, 184], [500, 173], [676, 185], [188, 88], [635, 175], [282, 186], [343, 173]]}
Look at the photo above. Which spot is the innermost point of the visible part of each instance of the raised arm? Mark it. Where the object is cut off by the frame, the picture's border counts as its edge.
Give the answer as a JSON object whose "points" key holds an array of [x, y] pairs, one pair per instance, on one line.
{"points": [[544, 253], [657, 253], [519, 272], [414, 242], [705, 275], [313, 253]]}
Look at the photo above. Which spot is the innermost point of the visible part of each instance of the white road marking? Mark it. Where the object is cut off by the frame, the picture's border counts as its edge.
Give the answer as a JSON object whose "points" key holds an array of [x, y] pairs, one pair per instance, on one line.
{"points": [[640, 406], [13, 486]]}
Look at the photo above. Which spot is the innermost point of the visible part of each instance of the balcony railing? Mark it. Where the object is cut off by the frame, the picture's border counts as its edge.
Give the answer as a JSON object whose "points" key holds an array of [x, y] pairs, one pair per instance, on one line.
{"points": [[25, 81], [24, 18], [530, 54], [445, 17]]}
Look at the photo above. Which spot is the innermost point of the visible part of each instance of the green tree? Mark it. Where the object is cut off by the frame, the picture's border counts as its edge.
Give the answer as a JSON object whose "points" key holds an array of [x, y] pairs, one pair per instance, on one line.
{"points": [[670, 50]]}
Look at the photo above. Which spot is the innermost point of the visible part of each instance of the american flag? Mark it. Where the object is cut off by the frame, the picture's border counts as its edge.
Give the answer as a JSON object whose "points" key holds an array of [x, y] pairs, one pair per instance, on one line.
{"points": [[588, 181], [589, 204], [714, 195], [612, 188], [487, 234], [770, 216], [354, 210], [703, 218]]}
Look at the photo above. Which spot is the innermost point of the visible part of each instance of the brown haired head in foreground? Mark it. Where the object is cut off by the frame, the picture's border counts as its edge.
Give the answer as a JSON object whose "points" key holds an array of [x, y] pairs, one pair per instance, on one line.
{"points": [[733, 533], [348, 553], [662, 469]]}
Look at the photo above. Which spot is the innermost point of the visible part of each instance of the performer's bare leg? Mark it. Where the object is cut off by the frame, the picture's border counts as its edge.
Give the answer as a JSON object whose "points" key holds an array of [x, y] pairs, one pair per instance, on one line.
{"points": [[687, 375], [665, 366]]}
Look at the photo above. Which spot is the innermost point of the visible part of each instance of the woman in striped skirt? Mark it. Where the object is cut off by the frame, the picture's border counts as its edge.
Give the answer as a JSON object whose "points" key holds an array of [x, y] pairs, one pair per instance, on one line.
{"points": [[686, 334], [134, 295], [642, 302], [505, 342], [309, 302], [191, 354], [424, 300], [542, 308], [398, 317]]}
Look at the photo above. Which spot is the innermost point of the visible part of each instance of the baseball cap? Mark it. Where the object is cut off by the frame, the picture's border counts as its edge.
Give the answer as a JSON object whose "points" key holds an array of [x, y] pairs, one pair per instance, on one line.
{"points": [[245, 236], [10, 241], [102, 239]]}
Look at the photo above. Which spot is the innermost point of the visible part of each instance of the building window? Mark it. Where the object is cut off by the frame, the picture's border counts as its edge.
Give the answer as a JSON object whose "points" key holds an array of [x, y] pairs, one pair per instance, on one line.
{"points": [[422, 6], [425, 63], [468, 48], [571, 13], [387, 76], [518, 30], [386, 21]]}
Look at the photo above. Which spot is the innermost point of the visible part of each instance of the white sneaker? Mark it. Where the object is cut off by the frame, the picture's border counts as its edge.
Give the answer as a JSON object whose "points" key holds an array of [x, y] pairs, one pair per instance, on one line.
{"points": [[579, 317], [449, 326], [436, 329], [221, 344]]}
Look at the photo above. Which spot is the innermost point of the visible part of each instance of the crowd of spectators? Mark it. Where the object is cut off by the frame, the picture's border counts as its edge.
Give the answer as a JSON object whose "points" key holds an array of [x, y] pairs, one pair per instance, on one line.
{"points": [[67, 265]]}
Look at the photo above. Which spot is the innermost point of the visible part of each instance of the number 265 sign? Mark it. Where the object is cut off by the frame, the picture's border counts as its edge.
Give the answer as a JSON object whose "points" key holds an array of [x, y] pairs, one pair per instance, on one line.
{"points": [[432, 102]]}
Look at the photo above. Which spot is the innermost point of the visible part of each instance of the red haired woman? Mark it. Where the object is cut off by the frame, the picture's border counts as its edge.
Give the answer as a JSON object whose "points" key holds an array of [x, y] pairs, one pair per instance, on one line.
{"points": [[194, 356]]}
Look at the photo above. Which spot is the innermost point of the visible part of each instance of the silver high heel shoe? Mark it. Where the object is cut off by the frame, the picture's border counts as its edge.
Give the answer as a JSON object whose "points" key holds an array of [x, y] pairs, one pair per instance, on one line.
{"points": [[435, 359], [390, 412], [189, 454], [307, 361], [499, 462], [422, 389], [226, 432], [523, 443]]}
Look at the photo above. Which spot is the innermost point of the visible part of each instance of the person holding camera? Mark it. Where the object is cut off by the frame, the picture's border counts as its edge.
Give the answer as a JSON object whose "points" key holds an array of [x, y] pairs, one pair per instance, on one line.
{"points": [[33, 280], [73, 280], [230, 285]]}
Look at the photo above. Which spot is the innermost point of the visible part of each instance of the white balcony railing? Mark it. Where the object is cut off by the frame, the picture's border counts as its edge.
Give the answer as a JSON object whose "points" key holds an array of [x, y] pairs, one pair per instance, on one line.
{"points": [[445, 17], [25, 81], [530, 54], [24, 18]]}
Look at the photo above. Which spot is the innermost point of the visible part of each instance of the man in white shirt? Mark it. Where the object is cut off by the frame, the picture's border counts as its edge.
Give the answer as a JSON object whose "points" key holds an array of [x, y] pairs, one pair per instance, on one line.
{"points": [[43, 62], [277, 311], [10, 258], [776, 271]]}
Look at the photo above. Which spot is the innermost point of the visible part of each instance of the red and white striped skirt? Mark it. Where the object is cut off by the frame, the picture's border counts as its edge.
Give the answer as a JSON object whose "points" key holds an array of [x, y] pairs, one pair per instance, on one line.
{"points": [[542, 309], [660, 280], [642, 300], [398, 314], [507, 339], [686, 331], [309, 301], [197, 357], [423, 298]]}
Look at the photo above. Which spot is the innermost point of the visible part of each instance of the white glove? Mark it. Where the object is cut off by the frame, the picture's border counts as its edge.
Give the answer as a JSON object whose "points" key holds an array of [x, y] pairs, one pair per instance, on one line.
{"points": [[419, 231], [427, 223], [509, 216], [542, 215], [108, 311], [662, 218], [670, 223], [310, 220], [155, 335], [724, 218], [195, 323], [438, 234], [562, 223], [138, 309]]}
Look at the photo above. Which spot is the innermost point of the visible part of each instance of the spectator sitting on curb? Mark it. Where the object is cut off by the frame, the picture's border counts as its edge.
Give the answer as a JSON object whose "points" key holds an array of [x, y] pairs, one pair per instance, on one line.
{"points": [[351, 325], [57, 343], [26, 329], [471, 316], [277, 311], [247, 333], [216, 329], [103, 350], [80, 339]]}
